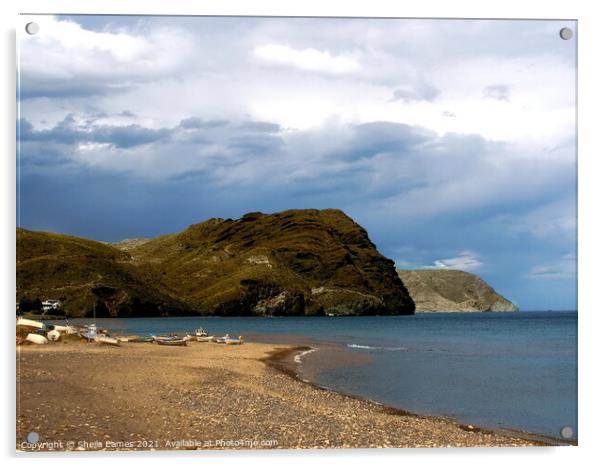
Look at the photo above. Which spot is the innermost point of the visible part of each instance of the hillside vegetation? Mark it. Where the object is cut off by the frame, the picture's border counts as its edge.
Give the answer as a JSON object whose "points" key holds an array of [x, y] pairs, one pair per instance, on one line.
{"points": [[298, 262]]}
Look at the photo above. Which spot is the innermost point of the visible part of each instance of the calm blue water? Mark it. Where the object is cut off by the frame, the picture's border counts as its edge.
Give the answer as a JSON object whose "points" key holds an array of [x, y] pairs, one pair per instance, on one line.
{"points": [[496, 370]]}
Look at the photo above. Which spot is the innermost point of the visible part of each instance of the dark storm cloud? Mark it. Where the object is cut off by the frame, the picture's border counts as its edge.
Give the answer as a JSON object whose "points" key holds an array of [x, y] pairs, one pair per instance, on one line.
{"points": [[374, 138], [69, 132], [215, 147]]}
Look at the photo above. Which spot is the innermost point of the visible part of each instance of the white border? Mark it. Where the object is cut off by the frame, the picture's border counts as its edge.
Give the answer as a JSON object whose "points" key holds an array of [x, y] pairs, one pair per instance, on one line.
{"points": [[590, 234]]}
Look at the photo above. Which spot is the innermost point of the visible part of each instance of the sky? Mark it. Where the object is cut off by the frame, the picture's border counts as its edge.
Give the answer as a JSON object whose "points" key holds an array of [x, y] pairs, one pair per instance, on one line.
{"points": [[451, 141]]}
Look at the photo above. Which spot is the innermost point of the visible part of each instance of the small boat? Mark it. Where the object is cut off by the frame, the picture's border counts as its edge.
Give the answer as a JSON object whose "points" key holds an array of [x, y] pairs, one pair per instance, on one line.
{"points": [[21, 322], [89, 332], [68, 329], [204, 338], [171, 342], [221, 339], [37, 339], [147, 339], [165, 337], [228, 340], [234, 341], [54, 335], [200, 332], [107, 340]]}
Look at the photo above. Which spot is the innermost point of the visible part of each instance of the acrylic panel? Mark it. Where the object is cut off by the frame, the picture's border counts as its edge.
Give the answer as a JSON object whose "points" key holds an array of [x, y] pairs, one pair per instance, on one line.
{"points": [[282, 233]]}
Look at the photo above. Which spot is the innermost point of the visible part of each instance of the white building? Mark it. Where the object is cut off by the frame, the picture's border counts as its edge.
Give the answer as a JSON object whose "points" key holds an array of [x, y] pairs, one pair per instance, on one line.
{"points": [[51, 305]]}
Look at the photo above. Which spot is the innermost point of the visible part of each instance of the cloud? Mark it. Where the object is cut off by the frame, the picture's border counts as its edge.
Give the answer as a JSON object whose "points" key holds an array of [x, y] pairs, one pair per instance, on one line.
{"points": [[497, 92], [402, 171], [70, 132], [308, 59], [423, 91], [79, 62], [229, 151], [562, 268], [196, 123], [467, 261]]}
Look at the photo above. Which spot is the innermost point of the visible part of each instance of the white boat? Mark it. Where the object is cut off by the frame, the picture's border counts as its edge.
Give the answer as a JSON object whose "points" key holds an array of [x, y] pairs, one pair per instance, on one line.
{"points": [[21, 322], [228, 340], [221, 339], [37, 339], [106, 340], [234, 341], [204, 338], [54, 335], [200, 332], [68, 329], [90, 332]]}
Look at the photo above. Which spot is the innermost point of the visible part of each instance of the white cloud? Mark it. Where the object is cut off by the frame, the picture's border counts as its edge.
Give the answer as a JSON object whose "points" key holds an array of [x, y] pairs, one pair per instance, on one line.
{"points": [[308, 59], [467, 261], [317, 71], [64, 59]]}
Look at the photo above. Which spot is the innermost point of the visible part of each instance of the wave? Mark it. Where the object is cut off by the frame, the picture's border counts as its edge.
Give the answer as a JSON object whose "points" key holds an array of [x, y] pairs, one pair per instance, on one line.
{"points": [[381, 348], [298, 357]]}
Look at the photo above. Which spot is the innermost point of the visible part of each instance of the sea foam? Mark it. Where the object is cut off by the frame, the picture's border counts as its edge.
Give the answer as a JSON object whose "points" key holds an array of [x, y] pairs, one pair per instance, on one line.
{"points": [[382, 348]]}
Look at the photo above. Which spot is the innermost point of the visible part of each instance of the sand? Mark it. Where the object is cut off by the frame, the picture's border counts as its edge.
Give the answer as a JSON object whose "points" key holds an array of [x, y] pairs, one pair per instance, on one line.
{"points": [[82, 396]]}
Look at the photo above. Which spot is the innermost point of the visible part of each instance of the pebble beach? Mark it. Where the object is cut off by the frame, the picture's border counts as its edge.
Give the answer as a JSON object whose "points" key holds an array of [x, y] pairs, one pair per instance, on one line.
{"points": [[82, 396]]}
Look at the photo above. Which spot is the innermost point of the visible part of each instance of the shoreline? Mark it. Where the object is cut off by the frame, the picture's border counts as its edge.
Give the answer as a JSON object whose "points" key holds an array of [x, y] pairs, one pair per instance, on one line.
{"points": [[286, 361], [207, 396]]}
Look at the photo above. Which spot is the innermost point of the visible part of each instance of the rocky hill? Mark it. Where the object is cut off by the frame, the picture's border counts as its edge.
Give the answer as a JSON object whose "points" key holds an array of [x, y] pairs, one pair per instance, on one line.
{"points": [[83, 273], [298, 262], [452, 291]]}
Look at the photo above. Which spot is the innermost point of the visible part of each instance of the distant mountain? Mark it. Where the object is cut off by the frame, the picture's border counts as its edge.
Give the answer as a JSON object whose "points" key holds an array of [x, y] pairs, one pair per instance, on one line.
{"points": [[298, 262], [452, 290]]}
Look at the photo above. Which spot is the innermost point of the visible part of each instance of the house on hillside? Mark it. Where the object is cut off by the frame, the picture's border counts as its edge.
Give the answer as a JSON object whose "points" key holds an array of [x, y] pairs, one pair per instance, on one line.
{"points": [[51, 305]]}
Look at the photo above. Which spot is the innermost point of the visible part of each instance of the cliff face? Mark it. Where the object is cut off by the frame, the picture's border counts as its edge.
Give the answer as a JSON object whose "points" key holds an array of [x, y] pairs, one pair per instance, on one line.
{"points": [[298, 262], [452, 291]]}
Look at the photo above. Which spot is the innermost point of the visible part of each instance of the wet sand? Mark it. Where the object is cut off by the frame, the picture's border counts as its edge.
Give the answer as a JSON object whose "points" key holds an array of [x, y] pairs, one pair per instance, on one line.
{"points": [[80, 396]]}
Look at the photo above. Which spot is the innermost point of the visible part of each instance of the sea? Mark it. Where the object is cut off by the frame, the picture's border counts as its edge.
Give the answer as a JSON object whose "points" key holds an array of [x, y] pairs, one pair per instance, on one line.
{"points": [[493, 370]]}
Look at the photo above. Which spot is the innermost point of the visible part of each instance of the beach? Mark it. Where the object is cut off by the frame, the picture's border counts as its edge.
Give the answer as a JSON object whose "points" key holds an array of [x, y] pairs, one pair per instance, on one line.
{"points": [[81, 396]]}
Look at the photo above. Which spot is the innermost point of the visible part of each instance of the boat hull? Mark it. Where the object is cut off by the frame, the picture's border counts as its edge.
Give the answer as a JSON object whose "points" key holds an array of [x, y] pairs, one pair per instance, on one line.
{"points": [[36, 339], [171, 342], [234, 341], [141, 340], [29, 323], [107, 341]]}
